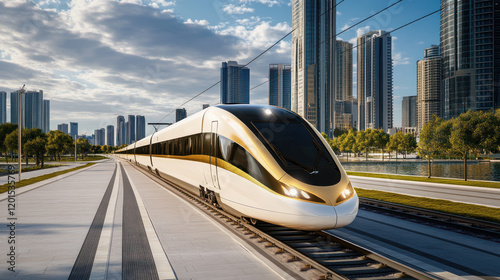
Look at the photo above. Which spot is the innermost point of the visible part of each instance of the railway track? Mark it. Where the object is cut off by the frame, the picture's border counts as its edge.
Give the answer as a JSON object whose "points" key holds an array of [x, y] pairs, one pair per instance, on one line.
{"points": [[478, 228], [302, 254]]}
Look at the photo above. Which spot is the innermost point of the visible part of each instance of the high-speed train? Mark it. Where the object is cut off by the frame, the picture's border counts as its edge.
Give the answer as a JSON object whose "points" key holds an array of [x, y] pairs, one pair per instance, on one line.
{"points": [[256, 162]]}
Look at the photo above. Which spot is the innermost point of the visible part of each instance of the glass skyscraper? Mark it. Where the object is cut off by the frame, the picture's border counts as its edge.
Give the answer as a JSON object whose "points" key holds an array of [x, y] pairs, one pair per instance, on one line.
{"points": [[313, 62], [110, 135], [470, 51], [120, 131], [140, 127], [3, 107], [374, 69], [280, 85], [180, 114], [73, 129], [235, 83], [131, 129]]}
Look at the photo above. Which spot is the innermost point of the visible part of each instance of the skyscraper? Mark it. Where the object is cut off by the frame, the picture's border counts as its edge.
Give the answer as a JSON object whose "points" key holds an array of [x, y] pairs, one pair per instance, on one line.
{"points": [[120, 131], [280, 83], [63, 127], [235, 83], [470, 52], [140, 127], [180, 114], [313, 61], [73, 128], [99, 137], [131, 129], [14, 107], [110, 135], [374, 69], [343, 87], [125, 131], [46, 116], [428, 86], [3, 107], [409, 109]]}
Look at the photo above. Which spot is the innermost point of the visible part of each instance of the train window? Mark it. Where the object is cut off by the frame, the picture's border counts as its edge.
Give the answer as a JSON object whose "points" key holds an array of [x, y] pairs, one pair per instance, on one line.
{"points": [[239, 158], [225, 148], [206, 143]]}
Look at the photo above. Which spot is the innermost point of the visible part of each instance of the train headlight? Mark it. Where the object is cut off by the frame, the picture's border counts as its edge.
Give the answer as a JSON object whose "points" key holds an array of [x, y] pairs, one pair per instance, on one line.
{"points": [[300, 194], [347, 193]]}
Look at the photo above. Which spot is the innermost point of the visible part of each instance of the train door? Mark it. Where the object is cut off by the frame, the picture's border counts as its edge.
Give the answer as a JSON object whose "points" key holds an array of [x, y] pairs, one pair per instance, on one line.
{"points": [[213, 154]]}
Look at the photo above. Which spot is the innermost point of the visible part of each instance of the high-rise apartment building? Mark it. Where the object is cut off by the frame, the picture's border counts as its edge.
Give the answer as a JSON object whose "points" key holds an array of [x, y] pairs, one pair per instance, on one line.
{"points": [[313, 62], [3, 107], [32, 109], [470, 52], [428, 86], [409, 110], [46, 116], [280, 83], [131, 129], [235, 83], [125, 131], [14, 107], [180, 114], [63, 127], [343, 87], [99, 137], [120, 131], [140, 127], [110, 135], [73, 129], [374, 68]]}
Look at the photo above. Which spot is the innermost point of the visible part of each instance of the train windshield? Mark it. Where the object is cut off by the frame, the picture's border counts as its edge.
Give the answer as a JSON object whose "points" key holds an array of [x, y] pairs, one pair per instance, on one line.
{"points": [[293, 144], [299, 151]]}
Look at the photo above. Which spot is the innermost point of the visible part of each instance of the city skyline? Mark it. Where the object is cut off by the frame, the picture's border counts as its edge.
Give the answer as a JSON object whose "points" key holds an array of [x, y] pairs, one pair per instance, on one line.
{"points": [[98, 89]]}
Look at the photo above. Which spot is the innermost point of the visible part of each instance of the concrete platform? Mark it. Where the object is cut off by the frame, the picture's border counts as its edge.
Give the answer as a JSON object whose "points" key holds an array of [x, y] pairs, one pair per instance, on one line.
{"points": [[81, 226]]}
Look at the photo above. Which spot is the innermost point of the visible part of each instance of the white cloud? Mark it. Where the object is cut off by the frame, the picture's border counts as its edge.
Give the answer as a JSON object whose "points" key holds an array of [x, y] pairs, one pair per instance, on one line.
{"points": [[202, 22], [269, 3], [238, 10], [339, 13]]}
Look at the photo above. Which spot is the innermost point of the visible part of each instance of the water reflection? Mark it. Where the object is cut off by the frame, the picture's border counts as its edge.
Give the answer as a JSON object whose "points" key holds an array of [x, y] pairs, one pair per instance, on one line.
{"points": [[489, 171]]}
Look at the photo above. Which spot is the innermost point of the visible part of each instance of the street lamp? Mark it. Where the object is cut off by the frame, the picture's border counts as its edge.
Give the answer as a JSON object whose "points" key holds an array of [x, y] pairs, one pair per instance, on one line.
{"points": [[20, 127]]}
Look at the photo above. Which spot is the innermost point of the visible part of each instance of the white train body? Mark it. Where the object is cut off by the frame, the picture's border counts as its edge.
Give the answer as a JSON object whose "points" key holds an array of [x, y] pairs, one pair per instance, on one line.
{"points": [[259, 162]]}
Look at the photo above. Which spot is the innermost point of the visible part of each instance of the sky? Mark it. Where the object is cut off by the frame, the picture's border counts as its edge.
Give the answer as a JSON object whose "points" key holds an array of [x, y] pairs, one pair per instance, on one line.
{"points": [[97, 59]]}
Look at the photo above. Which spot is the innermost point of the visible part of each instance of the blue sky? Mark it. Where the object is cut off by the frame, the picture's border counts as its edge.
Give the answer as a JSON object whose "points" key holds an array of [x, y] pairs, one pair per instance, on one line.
{"points": [[96, 59]]}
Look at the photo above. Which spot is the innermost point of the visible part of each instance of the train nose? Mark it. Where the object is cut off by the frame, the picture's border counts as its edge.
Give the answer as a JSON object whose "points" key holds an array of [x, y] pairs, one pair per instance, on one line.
{"points": [[347, 211]]}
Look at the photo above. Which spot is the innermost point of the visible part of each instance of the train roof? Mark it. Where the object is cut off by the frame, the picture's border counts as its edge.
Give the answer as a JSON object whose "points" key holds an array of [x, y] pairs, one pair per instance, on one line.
{"points": [[260, 113]]}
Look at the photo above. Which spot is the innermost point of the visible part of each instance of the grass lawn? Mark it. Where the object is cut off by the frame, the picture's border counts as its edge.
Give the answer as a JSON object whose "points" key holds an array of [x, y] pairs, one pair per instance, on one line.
{"points": [[445, 206], [47, 159], [31, 168], [4, 187], [428, 180]]}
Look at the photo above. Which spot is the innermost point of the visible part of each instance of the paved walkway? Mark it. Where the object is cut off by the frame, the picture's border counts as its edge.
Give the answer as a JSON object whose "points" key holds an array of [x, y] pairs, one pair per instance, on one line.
{"points": [[474, 195], [110, 221]]}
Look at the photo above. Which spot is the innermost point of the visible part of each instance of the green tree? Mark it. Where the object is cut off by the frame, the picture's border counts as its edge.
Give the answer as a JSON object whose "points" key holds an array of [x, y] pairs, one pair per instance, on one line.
{"points": [[408, 144], [6, 129], [462, 138], [36, 147], [428, 146], [59, 143], [11, 141], [395, 142], [380, 140], [83, 147], [365, 141]]}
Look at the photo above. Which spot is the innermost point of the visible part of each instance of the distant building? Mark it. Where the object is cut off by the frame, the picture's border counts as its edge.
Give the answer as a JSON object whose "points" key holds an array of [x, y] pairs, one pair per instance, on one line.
{"points": [[354, 112], [131, 129], [205, 106], [409, 110], [73, 129], [120, 131], [99, 137], [313, 62], [470, 55], [235, 83], [125, 131], [343, 86], [3, 107], [110, 135], [374, 67], [33, 109], [180, 114], [46, 116], [140, 127], [428, 86], [280, 85], [63, 127], [14, 107]]}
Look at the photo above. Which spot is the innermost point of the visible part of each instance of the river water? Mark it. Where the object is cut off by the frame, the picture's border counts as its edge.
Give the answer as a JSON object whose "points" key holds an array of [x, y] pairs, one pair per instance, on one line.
{"points": [[489, 171]]}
